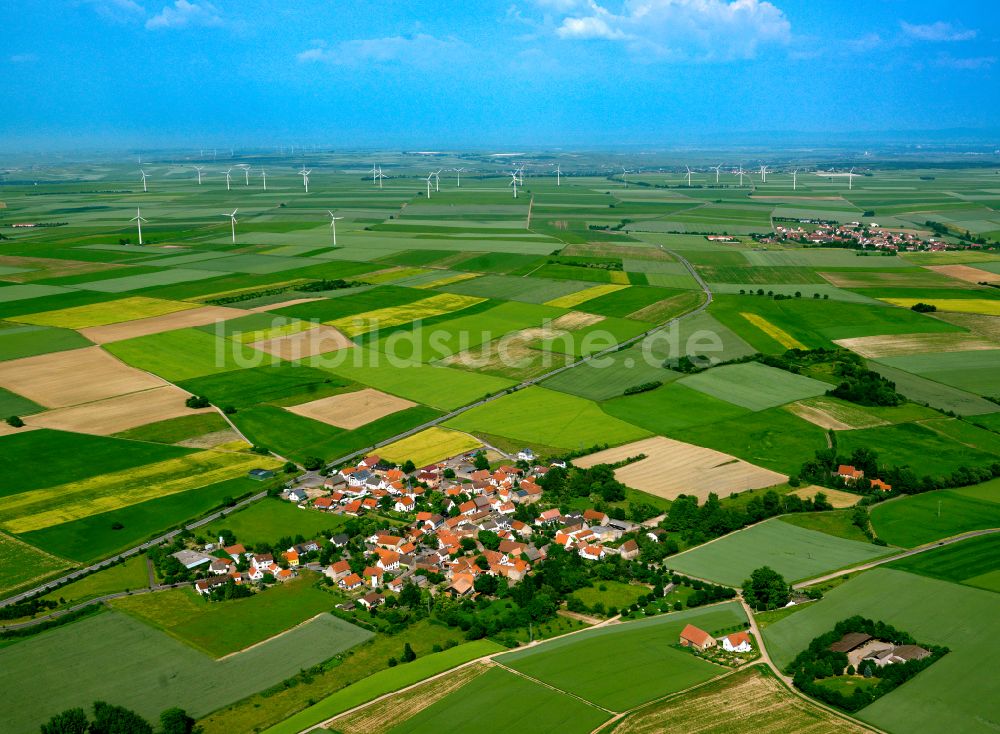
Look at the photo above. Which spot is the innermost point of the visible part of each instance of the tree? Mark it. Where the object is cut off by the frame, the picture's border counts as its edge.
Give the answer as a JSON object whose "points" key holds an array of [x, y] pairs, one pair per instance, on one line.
{"points": [[408, 654], [312, 463], [409, 467], [15, 422], [489, 539], [410, 595], [70, 721], [227, 537], [110, 719], [486, 584], [176, 721], [480, 461], [766, 589], [197, 401]]}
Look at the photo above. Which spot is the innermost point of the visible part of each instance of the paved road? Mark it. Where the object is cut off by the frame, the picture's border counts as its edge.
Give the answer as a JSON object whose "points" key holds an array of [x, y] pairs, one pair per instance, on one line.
{"points": [[912, 552], [166, 537]]}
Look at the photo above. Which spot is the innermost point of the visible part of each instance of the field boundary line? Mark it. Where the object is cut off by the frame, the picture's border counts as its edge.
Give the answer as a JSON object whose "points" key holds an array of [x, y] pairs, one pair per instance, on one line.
{"points": [[542, 683]]}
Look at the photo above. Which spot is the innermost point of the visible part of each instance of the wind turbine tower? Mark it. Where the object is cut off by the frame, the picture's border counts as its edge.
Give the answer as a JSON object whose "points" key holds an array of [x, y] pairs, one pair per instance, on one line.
{"points": [[428, 179], [850, 179], [763, 174], [717, 169], [199, 169], [513, 182], [795, 174], [558, 174], [333, 225], [305, 177], [143, 174], [263, 177], [229, 179], [246, 172], [138, 220], [232, 219], [437, 180], [625, 173], [458, 177], [688, 176], [379, 175]]}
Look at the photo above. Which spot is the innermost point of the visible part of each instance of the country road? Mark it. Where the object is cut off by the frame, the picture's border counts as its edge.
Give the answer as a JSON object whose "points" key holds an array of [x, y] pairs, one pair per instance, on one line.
{"points": [[344, 459]]}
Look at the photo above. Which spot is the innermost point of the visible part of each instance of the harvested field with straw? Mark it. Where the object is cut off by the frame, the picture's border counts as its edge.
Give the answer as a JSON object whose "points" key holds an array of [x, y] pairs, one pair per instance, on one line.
{"points": [[966, 272], [673, 467], [352, 410], [69, 378], [835, 497], [308, 343], [748, 702], [105, 417], [895, 345], [575, 299], [157, 324]]}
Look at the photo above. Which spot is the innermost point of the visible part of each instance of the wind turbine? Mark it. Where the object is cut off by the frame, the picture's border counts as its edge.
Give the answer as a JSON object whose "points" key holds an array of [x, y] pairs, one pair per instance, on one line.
{"points": [[437, 180], [379, 175], [246, 171], [850, 179], [429, 177], [558, 174], [375, 171], [763, 174], [513, 182], [458, 177], [625, 173], [229, 179], [138, 220], [232, 218], [263, 176], [717, 169], [305, 177], [795, 173], [199, 169], [333, 225], [143, 174], [688, 175], [741, 173]]}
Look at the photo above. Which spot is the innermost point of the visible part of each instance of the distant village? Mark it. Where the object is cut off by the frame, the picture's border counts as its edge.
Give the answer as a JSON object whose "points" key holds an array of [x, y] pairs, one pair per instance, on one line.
{"points": [[855, 234]]}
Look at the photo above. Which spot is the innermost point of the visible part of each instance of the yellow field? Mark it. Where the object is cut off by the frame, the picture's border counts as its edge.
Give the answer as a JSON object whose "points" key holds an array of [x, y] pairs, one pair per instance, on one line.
{"points": [[109, 312], [397, 315], [429, 446], [457, 278], [275, 332], [779, 335], [575, 299], [42, 508], [198, 316], [985, 306], [619, 277], [835, 497], [392, 274]]}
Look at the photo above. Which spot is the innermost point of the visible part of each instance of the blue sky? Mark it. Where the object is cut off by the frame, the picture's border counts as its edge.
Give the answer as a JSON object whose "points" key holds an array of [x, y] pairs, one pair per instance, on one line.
{"points": [[476, 72]]}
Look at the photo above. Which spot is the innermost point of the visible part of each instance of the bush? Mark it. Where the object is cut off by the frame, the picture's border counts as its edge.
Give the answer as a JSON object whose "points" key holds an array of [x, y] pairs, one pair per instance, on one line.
{"points": [[197, 401], [15, 422]]}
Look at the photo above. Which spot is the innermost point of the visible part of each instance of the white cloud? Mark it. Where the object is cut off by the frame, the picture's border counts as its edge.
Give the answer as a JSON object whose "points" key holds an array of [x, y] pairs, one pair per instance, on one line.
{"points": [[683, 29], [939, 31], [119, 11], [184, 14], [419, 49], [972, 63], [24, 58]]}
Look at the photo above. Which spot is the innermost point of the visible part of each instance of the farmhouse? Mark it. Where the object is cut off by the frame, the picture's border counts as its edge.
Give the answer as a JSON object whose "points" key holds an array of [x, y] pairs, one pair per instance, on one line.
{"points": [[699, 639], [737, 642], [849, 474], [192, 559]]}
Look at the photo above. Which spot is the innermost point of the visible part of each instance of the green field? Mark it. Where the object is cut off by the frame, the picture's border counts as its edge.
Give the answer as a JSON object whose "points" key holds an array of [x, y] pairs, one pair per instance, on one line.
{"points": [[910, 444], [265, 522], [973, 562], [282, 383], [187, 353], [116, 658], [21, 564], [485, 702], [974, 371], [17, 342], [130, 575], [945, 697], [384, 681], [622, 666], [175, 430], [547, 417], [670, 408], [935, 394], [754, 386], [221, 628], [611, 594], [924, 518], [794, 552]]}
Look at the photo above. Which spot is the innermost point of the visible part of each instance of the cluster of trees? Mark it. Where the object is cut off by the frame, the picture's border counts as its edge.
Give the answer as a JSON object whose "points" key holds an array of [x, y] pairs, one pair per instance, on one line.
{"points": [[817, 662], [779, 296], [26, 608], [766, 589], [644, 387], [593, 264], [923, 307], [564, 484], [110, 719], [699, 523], [864, 386]]}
